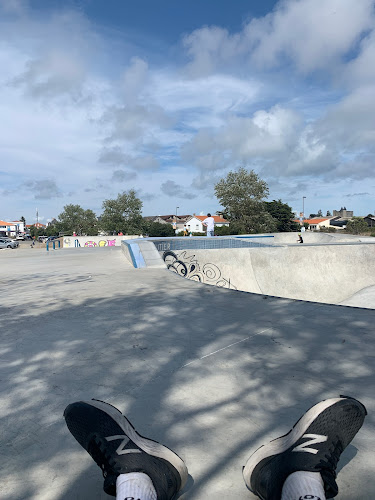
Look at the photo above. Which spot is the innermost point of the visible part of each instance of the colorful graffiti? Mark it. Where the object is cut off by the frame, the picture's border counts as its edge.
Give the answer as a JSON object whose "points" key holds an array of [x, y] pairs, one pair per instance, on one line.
{"points": [[91, 243], [188, 266]]}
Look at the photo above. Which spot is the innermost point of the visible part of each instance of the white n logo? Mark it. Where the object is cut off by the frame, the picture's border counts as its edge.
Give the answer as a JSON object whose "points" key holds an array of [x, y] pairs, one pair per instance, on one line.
{"points": [[313, 439], [124, 441]]}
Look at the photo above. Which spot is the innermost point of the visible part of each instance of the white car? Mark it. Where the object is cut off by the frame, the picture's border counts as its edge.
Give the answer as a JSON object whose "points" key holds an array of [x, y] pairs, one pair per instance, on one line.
{"points": [[8, 243]]}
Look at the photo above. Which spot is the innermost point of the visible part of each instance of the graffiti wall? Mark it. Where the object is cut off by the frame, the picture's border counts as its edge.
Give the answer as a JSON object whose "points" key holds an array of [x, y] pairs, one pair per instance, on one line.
{"points": [[95, 241], [185, 263]]}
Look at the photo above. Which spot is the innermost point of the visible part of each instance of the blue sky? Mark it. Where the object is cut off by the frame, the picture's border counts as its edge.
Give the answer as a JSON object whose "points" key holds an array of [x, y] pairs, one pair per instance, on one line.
{"points": [[166, 97]]}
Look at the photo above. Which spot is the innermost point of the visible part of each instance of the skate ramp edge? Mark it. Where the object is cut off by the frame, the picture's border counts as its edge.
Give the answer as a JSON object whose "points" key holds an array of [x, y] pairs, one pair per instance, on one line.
{"points": [[330, 274]]}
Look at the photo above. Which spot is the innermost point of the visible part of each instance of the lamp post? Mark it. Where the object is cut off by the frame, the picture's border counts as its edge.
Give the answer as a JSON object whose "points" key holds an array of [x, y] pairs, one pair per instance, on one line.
{"points": [[303, 206], [175, 224]]}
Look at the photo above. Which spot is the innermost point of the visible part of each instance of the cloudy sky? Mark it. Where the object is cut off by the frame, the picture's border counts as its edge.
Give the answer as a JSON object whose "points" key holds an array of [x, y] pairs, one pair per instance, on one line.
{"points": [[166, 97]]}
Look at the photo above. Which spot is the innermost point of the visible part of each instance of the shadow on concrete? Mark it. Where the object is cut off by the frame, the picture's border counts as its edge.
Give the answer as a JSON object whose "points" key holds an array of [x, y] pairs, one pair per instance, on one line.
{"points": [[151, 351]]}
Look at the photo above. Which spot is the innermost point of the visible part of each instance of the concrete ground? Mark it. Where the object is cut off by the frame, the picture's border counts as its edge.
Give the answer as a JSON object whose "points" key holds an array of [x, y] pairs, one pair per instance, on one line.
{"points": [[210, 372]]}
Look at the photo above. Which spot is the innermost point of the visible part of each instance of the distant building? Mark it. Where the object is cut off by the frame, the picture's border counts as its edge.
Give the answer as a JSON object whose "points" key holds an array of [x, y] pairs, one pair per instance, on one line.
{"points": [[370, 220], [320, 222], [177, 221], [37, 225], [11, 228], [345, 214], [196, 226]]}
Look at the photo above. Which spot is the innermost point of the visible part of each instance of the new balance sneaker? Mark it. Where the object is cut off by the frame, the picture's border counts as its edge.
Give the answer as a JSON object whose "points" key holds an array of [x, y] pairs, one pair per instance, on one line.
{"points": [[314, 444], [117, 448]]}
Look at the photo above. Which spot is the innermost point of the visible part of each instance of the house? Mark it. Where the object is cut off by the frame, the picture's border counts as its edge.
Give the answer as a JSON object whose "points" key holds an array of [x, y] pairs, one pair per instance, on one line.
{"points": [[37, 225], [11, 228], [177, 221], [370, 220], [196, 226], [316, 223]]}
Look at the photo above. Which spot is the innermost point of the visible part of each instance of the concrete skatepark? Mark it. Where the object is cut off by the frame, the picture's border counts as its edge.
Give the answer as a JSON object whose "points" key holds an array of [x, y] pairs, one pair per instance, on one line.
{"points": [[208, 371]]}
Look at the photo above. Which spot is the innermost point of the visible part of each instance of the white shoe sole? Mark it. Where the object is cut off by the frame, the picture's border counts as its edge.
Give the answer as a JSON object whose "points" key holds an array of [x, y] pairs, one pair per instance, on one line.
{"points": [[281, 444], [147, 445]]}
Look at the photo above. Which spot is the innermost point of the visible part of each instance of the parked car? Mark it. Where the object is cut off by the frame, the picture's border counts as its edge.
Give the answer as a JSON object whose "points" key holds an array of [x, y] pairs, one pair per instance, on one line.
{"points": [[8, 243], [20, 237]]}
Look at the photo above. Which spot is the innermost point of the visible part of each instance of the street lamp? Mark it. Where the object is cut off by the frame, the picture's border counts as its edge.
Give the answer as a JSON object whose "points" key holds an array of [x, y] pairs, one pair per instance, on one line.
{"points": [[303, 206], [175, 223]]}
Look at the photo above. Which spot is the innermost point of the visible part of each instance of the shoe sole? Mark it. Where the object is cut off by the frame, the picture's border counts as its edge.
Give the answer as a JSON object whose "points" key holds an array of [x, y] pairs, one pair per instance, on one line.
{"points": [[283, 443], [149, 446]]}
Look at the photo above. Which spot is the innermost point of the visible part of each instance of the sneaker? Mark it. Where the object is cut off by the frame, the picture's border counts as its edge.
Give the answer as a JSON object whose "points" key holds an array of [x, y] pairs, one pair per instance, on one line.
{"points": [[117, 448], [314, 444]]}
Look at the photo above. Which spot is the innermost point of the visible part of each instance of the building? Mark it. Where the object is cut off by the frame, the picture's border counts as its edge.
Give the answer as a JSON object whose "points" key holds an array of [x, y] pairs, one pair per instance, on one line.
{"points": [[322, 222], [177, 221], [11, 228], [37, 225], [343, 213], [194, 223], [370, 220]]}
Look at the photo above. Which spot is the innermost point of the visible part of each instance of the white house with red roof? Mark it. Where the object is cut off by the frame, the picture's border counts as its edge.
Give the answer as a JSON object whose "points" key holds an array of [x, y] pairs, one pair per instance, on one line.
{"points": [[194, 223], [317, 222], [11, 228]]}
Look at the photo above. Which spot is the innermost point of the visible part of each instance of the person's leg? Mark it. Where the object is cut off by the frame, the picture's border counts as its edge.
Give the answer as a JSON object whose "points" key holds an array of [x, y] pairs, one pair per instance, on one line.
{"points": [[134, 467], [302, 464]]}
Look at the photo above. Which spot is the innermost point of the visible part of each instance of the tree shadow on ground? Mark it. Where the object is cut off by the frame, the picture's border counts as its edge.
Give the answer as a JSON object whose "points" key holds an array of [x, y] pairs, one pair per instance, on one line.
{"points": [[160, 353]]}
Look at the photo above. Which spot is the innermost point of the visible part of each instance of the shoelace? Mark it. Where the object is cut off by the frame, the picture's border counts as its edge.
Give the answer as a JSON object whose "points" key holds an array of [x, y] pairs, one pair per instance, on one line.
{"points": [[101, 455], [328, 464]]}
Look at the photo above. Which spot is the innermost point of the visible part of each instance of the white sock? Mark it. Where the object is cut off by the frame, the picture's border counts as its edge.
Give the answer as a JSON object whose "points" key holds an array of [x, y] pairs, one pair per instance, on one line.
{"points": [[303, 485], [135, 486]]}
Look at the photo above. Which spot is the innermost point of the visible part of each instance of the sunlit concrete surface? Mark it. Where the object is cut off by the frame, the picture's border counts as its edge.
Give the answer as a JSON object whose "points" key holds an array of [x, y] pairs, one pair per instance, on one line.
{"points": [[334, 269], [210, 372]]}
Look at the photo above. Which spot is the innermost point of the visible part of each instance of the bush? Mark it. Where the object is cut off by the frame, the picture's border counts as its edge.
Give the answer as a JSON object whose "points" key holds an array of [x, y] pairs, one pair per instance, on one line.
{"points": [[222, 231], [158, 229]]}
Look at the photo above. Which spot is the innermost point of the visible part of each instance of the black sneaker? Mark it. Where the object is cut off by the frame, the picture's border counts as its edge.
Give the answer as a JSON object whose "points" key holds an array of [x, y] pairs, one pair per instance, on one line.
{"points": [[314, 444], [117, 448]]}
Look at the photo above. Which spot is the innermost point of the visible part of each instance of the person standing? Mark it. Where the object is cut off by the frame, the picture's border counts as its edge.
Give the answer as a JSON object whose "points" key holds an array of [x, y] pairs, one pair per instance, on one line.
{"points": [[209, 222]]}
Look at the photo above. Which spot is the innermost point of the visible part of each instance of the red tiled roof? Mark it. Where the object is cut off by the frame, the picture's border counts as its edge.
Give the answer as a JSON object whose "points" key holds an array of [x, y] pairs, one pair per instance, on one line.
{"points": [[313, 221], [217, 218]]}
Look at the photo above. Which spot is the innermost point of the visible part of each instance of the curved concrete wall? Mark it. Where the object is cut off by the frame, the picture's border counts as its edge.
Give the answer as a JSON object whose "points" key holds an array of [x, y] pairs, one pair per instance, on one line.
{"points": [[322, 273]]}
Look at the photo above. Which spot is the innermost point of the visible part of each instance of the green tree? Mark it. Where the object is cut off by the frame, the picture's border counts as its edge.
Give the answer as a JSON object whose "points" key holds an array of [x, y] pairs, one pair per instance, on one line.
{"points": [[241, 194], [356, 225], [328, 214], [320, 213], [123, 214], [283, 214], [75, 219]]}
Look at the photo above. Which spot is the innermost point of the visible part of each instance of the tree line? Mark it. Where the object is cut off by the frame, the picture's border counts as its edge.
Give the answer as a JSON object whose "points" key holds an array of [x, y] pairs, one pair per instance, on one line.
{"points": [[241, 193]]}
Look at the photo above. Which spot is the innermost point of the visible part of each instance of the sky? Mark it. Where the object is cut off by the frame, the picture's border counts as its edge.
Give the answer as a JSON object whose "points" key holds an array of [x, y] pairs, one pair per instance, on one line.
{"points": [[167, 97]]}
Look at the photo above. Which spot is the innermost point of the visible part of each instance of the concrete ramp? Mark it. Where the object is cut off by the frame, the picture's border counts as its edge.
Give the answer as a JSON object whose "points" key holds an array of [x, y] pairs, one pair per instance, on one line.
{"points": [[328, 273]]}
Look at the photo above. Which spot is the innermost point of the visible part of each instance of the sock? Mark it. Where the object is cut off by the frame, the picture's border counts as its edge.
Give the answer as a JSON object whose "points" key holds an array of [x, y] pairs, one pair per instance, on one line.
{"points": [[135, 486], [303, 485]]}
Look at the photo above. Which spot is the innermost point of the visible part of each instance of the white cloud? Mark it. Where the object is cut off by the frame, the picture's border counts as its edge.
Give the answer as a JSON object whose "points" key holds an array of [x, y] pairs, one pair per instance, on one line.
{"points": [[171, 188], [311, 34], [83, 111]]}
